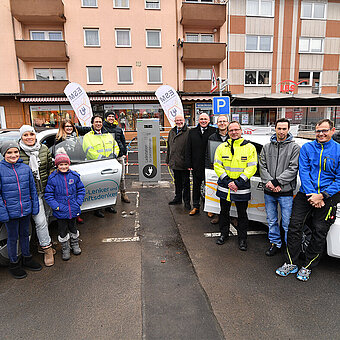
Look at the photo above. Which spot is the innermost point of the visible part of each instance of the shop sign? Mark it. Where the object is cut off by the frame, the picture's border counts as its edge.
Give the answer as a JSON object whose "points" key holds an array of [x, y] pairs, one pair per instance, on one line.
{"points": [[287, 86]]}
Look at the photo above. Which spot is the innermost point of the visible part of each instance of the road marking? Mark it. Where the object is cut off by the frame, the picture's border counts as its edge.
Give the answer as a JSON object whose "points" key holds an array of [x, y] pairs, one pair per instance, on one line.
{"points": [[233, 232], [121, 239]]}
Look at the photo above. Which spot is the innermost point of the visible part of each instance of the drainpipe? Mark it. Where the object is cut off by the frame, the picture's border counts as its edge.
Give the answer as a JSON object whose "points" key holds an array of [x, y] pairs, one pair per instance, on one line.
{"points": [[228, 41], [177, 47]]}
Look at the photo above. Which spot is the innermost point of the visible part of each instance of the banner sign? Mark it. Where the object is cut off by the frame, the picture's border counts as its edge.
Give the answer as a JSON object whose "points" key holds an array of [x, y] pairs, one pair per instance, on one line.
{"points": [[170, 102], [80, 103]]}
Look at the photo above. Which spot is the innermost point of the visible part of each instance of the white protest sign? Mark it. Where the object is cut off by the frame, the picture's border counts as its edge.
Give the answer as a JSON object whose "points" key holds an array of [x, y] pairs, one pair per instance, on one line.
{"points": [[80, 103], [170, 102]]}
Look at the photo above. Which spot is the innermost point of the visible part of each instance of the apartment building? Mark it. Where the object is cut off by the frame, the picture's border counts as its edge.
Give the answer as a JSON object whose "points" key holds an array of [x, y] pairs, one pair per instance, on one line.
{"points": [[279, 58]]}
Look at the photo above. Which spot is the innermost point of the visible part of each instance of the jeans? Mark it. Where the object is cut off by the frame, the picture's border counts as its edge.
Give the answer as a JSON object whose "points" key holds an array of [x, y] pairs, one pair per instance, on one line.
{"points": [[41, 225], [18, 228], [286, 204]]}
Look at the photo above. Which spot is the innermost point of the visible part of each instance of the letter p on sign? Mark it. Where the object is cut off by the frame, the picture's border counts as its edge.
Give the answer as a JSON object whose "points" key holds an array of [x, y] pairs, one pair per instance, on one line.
{"points": [[221, 105]]}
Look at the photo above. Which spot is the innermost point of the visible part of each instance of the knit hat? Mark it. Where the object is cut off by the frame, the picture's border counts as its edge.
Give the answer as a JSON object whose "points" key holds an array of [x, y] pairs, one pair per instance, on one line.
{"points": [[26, 128], [61, 157], [7, 145]]}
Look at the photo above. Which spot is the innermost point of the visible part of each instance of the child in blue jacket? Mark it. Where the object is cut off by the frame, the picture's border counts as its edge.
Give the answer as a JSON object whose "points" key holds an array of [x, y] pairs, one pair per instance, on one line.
{"points": [[18, 200], [65, 193]]}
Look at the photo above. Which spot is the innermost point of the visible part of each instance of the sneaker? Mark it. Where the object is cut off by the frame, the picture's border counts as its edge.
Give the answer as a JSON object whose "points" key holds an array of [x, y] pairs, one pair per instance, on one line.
{"points": [[303, 274], [272, 250], [287, 269]]}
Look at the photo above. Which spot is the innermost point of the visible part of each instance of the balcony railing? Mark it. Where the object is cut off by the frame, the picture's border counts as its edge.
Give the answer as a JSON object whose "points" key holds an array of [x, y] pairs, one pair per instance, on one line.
{"points": [[208, 53], [43, 86], [196, 85]]}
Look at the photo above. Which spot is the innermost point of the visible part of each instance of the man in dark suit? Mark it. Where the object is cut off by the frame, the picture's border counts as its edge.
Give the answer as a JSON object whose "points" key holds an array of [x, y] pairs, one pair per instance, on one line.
{"points": [[195, 157]]}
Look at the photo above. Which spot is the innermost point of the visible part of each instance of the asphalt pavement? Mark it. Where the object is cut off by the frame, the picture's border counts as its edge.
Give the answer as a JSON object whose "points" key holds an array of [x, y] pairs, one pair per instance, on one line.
{"points": [[150, 272]]}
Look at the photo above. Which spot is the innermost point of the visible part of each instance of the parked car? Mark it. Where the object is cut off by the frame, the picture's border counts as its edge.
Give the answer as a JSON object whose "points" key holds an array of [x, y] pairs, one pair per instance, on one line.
{"points": [[256, 206], [101, 178]]}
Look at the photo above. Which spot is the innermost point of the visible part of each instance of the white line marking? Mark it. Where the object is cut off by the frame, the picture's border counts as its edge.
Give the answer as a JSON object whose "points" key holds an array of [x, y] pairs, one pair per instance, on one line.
{"points": [[233, 232], [121, 239]]}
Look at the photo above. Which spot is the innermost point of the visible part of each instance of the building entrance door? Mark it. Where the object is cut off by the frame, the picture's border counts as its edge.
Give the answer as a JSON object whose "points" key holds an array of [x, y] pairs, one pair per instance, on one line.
{"points": [[264, 116]]}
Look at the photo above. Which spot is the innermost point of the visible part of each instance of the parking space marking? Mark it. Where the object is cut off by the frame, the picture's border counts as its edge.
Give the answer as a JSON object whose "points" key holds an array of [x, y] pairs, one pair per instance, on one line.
{"points": [[135, 237], [233, 232]]}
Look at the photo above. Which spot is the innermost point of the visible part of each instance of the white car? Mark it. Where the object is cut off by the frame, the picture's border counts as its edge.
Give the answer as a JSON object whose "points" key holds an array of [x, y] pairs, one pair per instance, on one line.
{"points": [[101, 178], [256, 206]]}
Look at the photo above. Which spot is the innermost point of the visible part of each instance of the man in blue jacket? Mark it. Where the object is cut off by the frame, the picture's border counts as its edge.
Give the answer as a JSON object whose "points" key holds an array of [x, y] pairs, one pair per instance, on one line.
{"points": [[319, 170]]}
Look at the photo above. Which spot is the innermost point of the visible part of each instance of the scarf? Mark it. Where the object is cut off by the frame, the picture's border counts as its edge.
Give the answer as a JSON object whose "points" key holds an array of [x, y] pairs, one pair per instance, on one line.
{"points": [[34, 162]]}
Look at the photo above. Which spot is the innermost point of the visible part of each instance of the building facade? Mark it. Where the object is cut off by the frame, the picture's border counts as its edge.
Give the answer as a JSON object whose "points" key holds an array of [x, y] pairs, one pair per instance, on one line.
{"points": [[277, 58]]}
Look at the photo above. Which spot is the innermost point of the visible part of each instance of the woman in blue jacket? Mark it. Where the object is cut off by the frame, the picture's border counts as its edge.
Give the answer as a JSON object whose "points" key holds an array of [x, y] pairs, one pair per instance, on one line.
{"points": [[65, 193], [18, 201]]}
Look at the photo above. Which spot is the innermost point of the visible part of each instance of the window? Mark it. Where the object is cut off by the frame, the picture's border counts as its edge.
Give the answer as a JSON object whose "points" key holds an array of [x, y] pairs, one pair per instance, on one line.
{"points": [[123, 38], [307, 78], [261, 78], [46, 35], [313, 10], [91, 37], [124, 75], [198, 74], [152, 4], [94, 75], [259, 43], [154, 74], [121, 3], [50, 74], [153, 38], [199, 37], [263, 8], [89, 3], [311, 45]]}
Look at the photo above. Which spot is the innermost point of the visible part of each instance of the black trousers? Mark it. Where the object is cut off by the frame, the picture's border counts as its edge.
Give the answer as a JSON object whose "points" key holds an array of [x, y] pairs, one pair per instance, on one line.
{"points": [[301, 209], [224, 222], [197, 179], [182, 185], [65, 226]]}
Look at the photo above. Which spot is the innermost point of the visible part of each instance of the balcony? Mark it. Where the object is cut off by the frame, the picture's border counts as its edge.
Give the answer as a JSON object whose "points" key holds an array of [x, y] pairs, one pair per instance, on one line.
{"points": [[196, 85], [42, 86], [203, 53], [38, 11], [41, 50], [203, 15]]}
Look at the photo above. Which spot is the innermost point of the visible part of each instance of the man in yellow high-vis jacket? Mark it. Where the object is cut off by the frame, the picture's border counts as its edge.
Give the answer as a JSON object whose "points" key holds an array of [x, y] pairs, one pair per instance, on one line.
{"points": [[235, 163]]}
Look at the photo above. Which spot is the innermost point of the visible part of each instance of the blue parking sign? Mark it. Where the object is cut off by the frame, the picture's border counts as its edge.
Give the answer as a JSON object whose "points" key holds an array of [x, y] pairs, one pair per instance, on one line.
{"points": [[221, 105]]}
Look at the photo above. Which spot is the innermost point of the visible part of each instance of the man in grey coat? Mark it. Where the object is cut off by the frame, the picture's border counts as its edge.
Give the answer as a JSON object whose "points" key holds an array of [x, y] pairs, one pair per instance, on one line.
{"points": [[175, 158], [278, 163]]}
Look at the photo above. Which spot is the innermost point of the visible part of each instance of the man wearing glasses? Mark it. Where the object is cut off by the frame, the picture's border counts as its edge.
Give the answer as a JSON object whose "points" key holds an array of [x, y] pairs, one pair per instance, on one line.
{"points": [[319, 170], [235, 163]]}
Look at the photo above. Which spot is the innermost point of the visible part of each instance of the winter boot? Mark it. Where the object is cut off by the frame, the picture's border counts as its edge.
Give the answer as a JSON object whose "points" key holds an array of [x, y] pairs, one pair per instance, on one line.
{"points": [[74, 242], [65, 247], [124, 197], [30, 264], [16, 270], [48, 255]]}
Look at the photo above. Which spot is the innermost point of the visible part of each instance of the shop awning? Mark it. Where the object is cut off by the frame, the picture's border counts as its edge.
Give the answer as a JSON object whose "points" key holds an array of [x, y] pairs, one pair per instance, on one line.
{"points": [[196, 98], [285, 96]]}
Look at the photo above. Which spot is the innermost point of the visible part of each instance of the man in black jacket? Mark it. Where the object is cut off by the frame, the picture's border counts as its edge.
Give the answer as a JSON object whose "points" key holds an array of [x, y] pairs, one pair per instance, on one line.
{"points": [[111, 125], [195, 157], [175, 158]]}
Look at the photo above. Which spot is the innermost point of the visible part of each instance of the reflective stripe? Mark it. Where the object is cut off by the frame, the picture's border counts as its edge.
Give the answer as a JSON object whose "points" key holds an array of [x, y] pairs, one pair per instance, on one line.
{"points": [[228, 168], [244, 177], [238, 192], [251, 163], [89, 148], [100, 150], [108, 150], [223, 175], [218, 161]]}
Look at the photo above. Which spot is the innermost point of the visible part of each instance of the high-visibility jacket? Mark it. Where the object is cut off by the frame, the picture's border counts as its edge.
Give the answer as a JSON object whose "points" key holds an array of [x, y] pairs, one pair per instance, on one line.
{"points": [[235, 161], [97, 146]]}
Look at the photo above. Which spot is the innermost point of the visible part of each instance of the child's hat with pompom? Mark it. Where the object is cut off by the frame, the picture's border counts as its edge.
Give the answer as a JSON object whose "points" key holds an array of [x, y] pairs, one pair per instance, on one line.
{"points": [[61, 157]]}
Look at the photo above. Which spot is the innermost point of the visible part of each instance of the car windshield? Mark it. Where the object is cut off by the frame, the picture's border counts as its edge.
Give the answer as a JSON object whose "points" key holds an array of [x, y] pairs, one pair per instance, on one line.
{"points": [[82, 149]]}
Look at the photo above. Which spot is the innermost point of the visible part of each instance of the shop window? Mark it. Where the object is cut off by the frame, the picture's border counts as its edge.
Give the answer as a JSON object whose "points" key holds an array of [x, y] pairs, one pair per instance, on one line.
{"points": [[257, 78], [264, 8], [153, 38], [123, 38], [338, 82], [313, 79], [154, 74], [199, 37], [46, 35], [50, 74], [94, 74], [259, 43], [198, 74], [91, 37], [89, 3], [313, 10], [152, 4], [311, 45], [121, 3], [124, 74]]}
